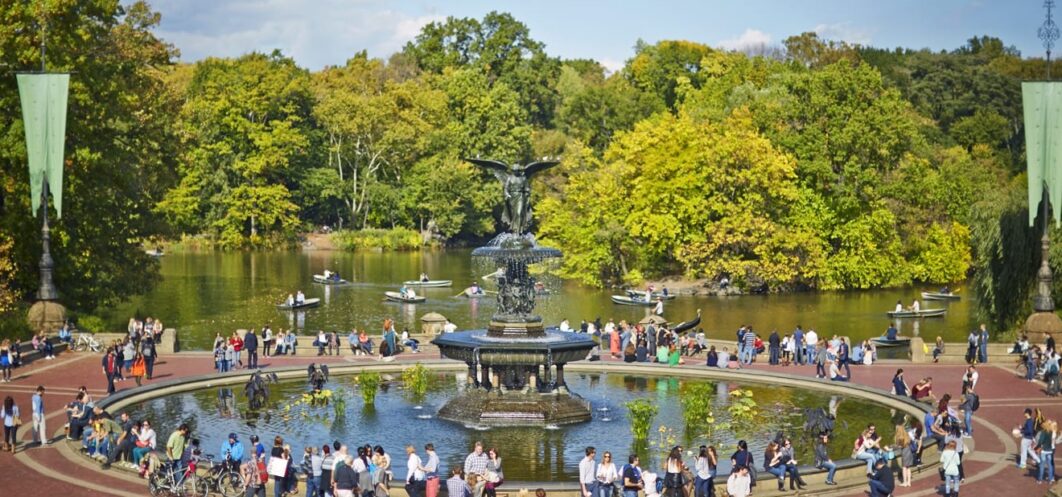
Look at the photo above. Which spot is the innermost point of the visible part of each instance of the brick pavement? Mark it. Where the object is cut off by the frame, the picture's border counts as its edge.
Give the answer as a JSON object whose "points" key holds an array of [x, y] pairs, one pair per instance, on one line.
{"points": [[990, 468]]}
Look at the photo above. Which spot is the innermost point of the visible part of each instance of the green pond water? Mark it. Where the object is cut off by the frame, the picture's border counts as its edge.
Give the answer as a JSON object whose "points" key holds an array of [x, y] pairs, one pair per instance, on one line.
{"points": [[528, 454], [203, 293]]}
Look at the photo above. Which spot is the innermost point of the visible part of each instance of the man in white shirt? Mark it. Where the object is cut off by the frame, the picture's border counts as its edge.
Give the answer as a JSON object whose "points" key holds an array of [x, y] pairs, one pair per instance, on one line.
{"points": [[414, 475], [970, 377], [449, 327], [588, 473], [812, 340], [564, 326], [724, 358]]}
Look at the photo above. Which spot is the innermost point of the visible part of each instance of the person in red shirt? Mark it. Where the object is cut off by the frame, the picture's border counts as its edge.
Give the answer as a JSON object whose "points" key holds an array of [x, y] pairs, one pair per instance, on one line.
{"points": [[110, 368], [236, 342]]}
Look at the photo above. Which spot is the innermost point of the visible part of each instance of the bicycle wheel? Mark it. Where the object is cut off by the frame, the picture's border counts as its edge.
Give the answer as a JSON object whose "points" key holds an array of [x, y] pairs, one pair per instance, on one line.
{"points": [[80, 346], [155, 485], [230, 484]]}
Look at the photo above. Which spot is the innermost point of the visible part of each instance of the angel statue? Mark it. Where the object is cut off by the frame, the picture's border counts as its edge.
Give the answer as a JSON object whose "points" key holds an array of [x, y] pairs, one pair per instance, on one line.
{"points": [[516, 189]]}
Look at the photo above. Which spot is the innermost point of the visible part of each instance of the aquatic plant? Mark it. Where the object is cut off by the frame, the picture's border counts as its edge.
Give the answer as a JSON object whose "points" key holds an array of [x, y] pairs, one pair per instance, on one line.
{"points": [[641, 413], [370, 384], [417, 380]]}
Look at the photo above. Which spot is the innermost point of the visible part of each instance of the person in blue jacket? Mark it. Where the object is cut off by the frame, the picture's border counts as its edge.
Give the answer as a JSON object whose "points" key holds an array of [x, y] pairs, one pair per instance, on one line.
{"points": [[232, 450]]}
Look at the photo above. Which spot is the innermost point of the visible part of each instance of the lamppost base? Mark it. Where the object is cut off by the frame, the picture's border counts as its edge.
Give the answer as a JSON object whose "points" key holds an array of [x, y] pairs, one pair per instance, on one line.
{"points": [[1040, 324], [46, 315]]}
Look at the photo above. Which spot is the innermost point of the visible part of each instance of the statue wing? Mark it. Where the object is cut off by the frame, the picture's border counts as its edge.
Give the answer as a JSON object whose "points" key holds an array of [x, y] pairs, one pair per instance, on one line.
{"points": [[309, 372], [500, 169], [536, 167], [324, 369]]}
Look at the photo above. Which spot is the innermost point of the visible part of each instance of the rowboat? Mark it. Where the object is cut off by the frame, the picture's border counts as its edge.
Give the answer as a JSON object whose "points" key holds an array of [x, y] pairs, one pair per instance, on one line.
{"points": [[924, 313], [688, 325], [429, 283], [939, 296], [885, 342], [623, 300], [320, 278], [472, 294], [640, 294], [397, 297], [304, 305], [155, 253]]}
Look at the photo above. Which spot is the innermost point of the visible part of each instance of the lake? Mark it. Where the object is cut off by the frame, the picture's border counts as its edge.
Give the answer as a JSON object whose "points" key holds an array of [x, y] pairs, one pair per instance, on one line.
{"points": [[203, 293]]}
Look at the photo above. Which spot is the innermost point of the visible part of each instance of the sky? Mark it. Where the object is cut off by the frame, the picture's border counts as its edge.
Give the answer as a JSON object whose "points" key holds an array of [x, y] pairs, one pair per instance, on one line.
{"points": [[317, 33]]}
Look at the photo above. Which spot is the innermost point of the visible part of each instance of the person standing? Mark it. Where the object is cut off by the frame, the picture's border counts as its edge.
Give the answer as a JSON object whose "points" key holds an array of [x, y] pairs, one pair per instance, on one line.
{"points": [[250, 344], [704, 465], [774, 346], [798, 343], [632, 477], [1028, 431], [40, 430], [902, 442], [11, 420], [606, 475], [812, 340], [345, 478], [111, 368], [587, 473], [414, 475], [255, 475], [1045, 441], [147, 348], [982, 345], [949, 462], [970, 403], [843, 358], [431, 472], [175, 444], [821, 357]]}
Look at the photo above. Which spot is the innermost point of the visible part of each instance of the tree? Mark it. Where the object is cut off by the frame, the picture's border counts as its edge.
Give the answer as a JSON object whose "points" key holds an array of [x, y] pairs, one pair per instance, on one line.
{"points": [[501, 48], [119, 146], [660, 69], [247, 131], [809, 50], [375, 127]]}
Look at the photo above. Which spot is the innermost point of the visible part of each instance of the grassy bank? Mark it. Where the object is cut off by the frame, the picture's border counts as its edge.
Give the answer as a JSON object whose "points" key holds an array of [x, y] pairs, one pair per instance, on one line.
{"points": [[378, 239]]}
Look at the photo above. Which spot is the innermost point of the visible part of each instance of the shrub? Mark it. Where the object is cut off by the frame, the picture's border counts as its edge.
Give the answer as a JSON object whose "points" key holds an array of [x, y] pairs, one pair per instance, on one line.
{"points": [[90, 323], [416, 379], [378, 239]]}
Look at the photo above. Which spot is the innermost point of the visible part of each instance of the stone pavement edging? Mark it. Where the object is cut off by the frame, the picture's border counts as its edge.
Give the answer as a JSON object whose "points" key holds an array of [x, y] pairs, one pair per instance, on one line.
{"points": [[850, 472]]}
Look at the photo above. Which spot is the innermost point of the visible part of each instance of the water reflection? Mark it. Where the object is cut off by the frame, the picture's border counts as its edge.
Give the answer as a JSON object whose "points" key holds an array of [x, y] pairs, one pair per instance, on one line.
{"points": [[533, 454], [204, 293]]}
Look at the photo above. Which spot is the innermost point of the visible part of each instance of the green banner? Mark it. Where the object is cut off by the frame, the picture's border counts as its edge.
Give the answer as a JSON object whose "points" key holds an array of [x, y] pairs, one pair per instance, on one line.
{"points": [[44, 119]]}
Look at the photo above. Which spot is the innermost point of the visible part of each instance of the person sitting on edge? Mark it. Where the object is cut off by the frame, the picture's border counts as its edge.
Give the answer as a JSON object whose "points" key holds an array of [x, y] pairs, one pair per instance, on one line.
{"points": [[835, 374]]}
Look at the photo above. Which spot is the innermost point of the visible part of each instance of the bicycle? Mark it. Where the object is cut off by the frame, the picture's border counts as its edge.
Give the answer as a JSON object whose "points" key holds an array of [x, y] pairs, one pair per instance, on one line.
{"points": [[85, 342], [171, 480], [224, 478]]}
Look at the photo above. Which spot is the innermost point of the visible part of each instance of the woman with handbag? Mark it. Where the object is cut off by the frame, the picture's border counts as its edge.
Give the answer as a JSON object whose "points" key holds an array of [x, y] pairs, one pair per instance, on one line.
{"points": [[12, 421], [673, 468], [493, 475], [606, 476]]}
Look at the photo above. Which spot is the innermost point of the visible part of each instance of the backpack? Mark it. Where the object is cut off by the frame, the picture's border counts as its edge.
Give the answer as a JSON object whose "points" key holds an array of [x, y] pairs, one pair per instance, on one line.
{"points": [[976, 402]]}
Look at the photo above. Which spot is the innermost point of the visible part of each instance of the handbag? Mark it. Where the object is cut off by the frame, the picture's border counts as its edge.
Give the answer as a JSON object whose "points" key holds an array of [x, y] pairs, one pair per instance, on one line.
{"points": [[17, 420], [278, 467], [491, 476]]}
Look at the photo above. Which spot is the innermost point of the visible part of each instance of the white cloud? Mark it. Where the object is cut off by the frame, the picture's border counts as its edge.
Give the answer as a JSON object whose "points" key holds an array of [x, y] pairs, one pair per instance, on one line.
{"points": [[843, 31], [750, 39], [611, 65], [314, 32]]}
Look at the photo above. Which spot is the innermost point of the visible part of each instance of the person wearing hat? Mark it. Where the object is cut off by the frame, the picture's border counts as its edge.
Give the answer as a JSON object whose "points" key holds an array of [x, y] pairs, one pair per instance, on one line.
{"points": [[232, 450], [259, 449]]}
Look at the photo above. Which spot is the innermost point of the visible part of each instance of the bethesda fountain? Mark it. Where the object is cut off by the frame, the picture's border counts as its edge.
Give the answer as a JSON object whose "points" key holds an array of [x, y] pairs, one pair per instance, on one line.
{"points": [[516, 365]]}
